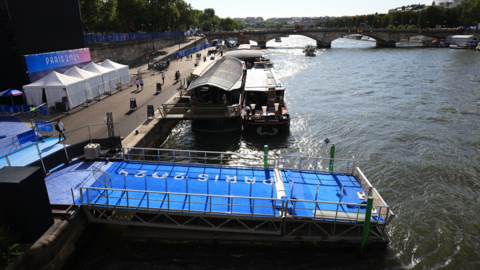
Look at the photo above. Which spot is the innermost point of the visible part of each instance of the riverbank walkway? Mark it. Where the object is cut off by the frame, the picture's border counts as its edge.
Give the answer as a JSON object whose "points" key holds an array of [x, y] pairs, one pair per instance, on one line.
{"points": [[119, 102]]}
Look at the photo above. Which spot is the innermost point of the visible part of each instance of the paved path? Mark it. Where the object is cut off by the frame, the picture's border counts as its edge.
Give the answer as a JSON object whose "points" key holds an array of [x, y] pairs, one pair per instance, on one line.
{"points": [[119, 102]]}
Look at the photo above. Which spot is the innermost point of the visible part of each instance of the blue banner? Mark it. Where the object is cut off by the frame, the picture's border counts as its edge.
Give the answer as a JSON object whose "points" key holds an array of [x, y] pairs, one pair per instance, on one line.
{"points": [[177, 55], [25, 137], [40, 65], [44, 126], [113, 37]]}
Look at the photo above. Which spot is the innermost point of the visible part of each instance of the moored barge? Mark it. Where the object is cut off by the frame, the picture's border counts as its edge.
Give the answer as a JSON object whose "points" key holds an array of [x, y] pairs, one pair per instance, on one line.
{"points": [[265, 112]]}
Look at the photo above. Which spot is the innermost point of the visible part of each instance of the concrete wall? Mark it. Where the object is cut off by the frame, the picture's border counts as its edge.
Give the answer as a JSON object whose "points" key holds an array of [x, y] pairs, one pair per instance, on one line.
{"points": [[129, 50], [52, 251]]}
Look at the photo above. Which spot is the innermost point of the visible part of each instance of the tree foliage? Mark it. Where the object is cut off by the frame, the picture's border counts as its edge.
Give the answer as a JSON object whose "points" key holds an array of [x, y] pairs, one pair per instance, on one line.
{"points": [[467, 12], [137, 15]]}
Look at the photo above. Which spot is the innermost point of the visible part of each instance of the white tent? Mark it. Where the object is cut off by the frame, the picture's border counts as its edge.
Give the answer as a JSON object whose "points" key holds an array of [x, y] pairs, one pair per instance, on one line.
{"points": [[109, 76], [56, 87], [94, 80], [123, 71]]}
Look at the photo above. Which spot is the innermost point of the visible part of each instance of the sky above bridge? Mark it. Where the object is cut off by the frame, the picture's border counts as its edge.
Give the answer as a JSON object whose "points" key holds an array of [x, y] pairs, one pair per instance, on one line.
{"points": [[303, 8]]}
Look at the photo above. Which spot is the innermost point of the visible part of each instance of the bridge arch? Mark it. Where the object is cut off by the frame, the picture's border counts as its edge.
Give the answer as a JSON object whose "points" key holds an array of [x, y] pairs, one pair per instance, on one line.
{"points": [[324, 37]]}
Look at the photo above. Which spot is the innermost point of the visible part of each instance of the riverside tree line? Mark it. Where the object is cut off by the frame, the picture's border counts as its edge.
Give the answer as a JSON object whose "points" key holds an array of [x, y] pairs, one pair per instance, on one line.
{"points": [[465, 14], [99, 16]]}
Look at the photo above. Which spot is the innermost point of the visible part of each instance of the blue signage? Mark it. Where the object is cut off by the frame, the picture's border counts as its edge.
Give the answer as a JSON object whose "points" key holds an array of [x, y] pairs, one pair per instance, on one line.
{"points": [[40, 65]]}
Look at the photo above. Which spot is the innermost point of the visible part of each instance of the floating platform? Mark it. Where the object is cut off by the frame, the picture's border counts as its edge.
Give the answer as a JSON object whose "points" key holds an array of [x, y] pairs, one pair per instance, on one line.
{"points": [[283, 197]]}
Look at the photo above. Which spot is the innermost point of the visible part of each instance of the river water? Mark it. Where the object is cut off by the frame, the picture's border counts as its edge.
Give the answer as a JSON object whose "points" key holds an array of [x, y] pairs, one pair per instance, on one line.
{"points": [[410, 117]]}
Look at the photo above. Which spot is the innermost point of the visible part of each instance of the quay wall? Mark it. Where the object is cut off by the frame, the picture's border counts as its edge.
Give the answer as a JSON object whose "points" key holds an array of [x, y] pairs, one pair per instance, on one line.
{"points": [[129, 50], [53, 250]]}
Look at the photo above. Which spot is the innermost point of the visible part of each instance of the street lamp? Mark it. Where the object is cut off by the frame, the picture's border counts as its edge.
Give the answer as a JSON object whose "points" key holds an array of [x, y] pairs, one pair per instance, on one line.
{"points": [[153, 40], [146, 38]]}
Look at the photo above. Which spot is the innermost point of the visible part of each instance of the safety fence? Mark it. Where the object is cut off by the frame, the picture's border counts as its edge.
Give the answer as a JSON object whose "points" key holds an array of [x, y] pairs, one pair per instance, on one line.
{"points": [[184, 53], [6, 108], [114, 37], [199, 157], [209, 204], [50, 152], [316, 164], [181, 202]]}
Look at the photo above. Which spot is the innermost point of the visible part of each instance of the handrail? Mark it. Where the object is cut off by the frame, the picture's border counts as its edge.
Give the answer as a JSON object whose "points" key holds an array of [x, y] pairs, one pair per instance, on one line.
{"points": [[185, 209], [285, 206]]}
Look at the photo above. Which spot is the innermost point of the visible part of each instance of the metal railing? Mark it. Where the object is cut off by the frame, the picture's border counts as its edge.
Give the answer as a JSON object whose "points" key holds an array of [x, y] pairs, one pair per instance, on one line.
{"points": [[80, 134], [321, 210], [133, 199], [142, 200], [199, 110], [316, 164], [238, 160], [102, 177]]}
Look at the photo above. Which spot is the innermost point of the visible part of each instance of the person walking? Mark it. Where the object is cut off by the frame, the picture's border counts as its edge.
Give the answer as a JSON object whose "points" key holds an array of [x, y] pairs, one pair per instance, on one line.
{"points": [[163, 78], [137, 82], [60, 128], [141, 83]]}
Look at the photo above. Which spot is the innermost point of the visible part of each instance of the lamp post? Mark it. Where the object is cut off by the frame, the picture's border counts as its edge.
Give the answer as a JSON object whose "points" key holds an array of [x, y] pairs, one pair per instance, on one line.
{"points": [[146, 39], [153, 40], [344, 24]]}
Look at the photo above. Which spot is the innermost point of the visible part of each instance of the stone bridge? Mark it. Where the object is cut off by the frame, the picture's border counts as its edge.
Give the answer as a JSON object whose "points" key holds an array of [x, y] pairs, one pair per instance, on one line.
{"points": [[324, 37]]}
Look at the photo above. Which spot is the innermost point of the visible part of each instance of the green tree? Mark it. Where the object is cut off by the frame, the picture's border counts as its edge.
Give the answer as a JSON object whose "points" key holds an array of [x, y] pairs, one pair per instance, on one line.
{"points": [[98, 15], [209, 13], [207, 26], [469, 11]]}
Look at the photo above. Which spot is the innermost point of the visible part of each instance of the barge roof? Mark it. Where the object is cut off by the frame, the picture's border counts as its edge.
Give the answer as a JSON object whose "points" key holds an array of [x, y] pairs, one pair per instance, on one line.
{"points": [[262, 80], [223, 74]]}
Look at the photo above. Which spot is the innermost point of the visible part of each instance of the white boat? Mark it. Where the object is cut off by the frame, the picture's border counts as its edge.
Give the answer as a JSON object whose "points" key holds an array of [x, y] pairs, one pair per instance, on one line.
{"points": [[278, 39], [309, 50], [455, 46]]}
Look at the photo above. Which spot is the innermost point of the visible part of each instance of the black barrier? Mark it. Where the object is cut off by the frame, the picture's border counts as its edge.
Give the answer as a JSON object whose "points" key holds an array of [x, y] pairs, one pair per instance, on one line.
{"points": [[75, 150], [133, 104], [150, 111], [159, 87]]}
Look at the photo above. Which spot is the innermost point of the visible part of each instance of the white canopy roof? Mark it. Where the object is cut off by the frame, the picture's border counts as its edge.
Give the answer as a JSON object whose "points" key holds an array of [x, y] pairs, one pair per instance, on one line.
{"points": [[97, 68], [110, 64], [109, 75], [56, 86], [94, 80], [80, 73], [123, 71]]}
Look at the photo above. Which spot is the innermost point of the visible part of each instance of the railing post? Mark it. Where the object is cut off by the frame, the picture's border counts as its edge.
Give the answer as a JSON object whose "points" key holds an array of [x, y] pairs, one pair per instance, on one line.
{"points": [[143, 154], [291, 190], [231, 206], [108, 203], [332, 156], [366, 225], [273, 184], [125, 180], [146, 188], [148, 202], [265, 158], [128, 201], [300, 164], [89, 134], [41, 159], [8, 161]]}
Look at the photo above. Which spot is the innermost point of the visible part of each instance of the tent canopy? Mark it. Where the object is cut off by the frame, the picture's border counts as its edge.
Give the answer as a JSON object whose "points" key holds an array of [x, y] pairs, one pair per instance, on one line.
{"points": [[94, 80], [109, 75], [123, 71], [56, 86]]}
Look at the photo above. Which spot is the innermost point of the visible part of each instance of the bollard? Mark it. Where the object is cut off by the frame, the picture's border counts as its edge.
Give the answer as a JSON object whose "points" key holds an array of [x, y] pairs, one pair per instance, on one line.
{"points": [[366, 225], [332, 156], [265, 158]]}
